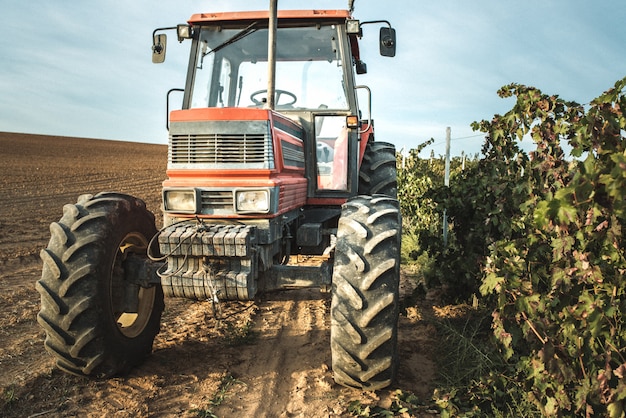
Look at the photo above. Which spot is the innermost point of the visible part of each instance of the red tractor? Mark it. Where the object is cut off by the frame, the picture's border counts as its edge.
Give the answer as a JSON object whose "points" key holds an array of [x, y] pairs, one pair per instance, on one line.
{"points": [[269, 158]]}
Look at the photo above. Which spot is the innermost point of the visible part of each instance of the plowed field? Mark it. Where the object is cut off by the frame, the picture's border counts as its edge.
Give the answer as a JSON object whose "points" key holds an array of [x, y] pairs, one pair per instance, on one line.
{"points": [[268, 358]]}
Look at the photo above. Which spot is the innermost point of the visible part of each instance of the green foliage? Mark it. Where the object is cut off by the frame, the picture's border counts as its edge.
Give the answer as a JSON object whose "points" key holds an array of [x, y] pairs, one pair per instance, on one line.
{"points": [[203, 413], [541, 238], [239, 334], [226, 384], [558, 285], [416, 176], [403, 404], [465, 352], [8, 396], [475, 379], [422, 216]]}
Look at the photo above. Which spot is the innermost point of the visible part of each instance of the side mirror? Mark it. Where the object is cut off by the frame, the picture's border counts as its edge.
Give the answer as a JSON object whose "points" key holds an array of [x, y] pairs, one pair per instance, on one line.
{"points": [[387, 42], [158, 48]]}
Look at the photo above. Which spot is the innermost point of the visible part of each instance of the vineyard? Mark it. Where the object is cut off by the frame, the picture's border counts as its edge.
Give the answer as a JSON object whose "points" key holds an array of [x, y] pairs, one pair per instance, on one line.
{"points": [[536, 248]]}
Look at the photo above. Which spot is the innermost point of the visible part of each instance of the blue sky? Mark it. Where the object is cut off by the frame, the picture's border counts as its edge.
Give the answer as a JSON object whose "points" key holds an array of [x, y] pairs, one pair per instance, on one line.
{"points": [[84, 69]]}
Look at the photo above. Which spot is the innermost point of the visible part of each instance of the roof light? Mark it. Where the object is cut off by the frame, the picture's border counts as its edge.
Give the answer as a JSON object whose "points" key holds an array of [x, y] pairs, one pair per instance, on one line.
{"points": [[184, 32], [353, 27]]}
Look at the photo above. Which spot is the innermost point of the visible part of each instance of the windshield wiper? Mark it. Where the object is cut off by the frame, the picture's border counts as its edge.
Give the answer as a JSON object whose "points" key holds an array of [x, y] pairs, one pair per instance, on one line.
{"points": [[236, 37]]}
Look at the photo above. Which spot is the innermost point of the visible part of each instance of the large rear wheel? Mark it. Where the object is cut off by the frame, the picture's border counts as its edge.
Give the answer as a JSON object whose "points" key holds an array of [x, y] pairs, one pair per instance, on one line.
{"points": [[98, 321], [378, 172], [365, 298]]}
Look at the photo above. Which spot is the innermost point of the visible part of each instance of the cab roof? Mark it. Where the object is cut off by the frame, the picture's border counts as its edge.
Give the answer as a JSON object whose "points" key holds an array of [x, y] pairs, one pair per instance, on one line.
{"points": [[200, 18]]}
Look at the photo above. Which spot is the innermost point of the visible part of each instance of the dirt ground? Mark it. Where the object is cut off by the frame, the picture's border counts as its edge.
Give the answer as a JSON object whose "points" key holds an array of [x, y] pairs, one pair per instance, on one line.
{"points": [[268, 358]]}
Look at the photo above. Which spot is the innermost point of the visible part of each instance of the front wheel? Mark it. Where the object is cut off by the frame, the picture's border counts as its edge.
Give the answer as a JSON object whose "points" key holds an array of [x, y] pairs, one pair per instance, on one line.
{"points": [[365, 293], [98, 322]]}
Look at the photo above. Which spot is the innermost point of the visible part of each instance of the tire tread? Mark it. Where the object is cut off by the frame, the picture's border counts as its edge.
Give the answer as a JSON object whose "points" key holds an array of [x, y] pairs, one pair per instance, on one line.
{"points": [[365, 293], [71, 312]]}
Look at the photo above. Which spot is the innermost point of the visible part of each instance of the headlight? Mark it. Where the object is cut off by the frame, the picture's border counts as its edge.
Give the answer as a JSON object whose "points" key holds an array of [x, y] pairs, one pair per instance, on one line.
{"points": [[252, 201], [183, 201]]}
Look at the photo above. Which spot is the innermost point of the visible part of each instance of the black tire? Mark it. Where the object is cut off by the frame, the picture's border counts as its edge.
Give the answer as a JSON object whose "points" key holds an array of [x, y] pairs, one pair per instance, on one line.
{"points": [[365, 298], [378, 173], [83, 290]]}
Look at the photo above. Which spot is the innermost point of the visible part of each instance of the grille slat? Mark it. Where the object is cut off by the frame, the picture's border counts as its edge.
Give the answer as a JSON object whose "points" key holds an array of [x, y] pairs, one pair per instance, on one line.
{"points": [[217, 202]]}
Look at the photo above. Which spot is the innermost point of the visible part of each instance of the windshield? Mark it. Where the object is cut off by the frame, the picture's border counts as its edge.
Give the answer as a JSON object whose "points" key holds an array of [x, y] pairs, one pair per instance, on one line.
{"points": [[231, 68]]}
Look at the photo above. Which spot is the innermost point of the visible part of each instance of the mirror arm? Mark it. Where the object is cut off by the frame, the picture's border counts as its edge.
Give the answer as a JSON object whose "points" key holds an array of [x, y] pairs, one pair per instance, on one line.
{"points": [[154, 32], [387, 37], [369, 22]]}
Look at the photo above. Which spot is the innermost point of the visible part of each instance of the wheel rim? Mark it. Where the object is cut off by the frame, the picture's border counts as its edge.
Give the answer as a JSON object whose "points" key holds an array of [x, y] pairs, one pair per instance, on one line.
{"points": [[131, 304]]}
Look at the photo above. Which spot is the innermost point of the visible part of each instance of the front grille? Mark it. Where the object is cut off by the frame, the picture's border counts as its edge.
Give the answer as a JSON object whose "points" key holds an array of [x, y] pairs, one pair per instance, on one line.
{"points": [[217, 202], [220, 145], [220, 149]]}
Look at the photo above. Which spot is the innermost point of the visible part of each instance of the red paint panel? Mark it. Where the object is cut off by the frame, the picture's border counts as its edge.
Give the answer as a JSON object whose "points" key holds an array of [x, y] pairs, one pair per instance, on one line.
{"points": [[218, 113], [264, 15]]}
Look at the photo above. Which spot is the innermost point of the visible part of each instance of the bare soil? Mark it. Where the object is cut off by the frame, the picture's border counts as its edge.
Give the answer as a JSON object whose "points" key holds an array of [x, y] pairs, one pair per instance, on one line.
{"points": [[267, 358]]}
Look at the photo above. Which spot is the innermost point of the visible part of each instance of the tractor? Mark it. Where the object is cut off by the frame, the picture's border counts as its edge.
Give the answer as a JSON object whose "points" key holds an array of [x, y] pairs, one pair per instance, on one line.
{"points": [[271, 159]]}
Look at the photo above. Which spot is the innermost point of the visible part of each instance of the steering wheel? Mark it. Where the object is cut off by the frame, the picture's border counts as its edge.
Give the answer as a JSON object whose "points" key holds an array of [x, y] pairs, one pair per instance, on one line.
{"points": [[278, 94]]}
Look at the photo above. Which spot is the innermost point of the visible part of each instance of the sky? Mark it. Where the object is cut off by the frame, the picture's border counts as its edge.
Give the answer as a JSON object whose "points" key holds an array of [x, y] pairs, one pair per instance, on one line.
{"points": [[84, 69]]}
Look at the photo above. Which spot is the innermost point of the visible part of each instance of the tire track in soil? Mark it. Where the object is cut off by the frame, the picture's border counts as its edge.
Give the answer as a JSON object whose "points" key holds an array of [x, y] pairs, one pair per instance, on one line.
{"points": [[23, 359], [20, 334], [286, 373]]}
